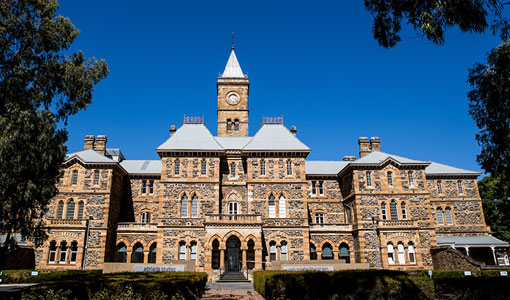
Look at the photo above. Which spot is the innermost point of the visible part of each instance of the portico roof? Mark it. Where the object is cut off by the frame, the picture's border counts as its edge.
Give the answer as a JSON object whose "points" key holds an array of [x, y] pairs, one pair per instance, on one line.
{"points": [[470, 241]]}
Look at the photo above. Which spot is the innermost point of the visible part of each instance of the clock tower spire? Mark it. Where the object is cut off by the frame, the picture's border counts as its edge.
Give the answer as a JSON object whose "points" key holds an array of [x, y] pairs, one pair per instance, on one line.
{"points": [[233, 88]]}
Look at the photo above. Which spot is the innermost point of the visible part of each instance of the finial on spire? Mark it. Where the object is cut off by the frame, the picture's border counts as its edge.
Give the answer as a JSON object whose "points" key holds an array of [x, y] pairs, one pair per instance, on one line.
{"points": [[232, 41]]}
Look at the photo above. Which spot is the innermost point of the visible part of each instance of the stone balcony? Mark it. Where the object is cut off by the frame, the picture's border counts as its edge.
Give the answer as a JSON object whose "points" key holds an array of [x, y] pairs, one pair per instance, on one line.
{"points": [[67, 223], [330, 227], [129, 226], [397, 224], [233, 219]]}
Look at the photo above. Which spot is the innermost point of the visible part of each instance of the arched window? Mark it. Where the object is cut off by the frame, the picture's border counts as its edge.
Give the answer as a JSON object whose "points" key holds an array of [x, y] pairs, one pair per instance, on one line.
{"points": [[74, 179], [177, 167], [53, 251], [60, 210], [184, 206], [393, 210], [233, 170], [194, 206], [229, 125], [411, 178], [145, 217], [121, 253], [327, 251], [391, 257], [63, 251], [182, 251], [383, 211], [289, 167], [203, 168], [215, 262], [439, 215], [403, 210], [283, 250], [70, 209], [344, 253], [369, 178], [272, 251], [262, 168], [137, 255], [152, 253], [272, 207], [74, 251], [236, 125], [193, 250], [80, 210], [96, 177], [348, 213], [313, 252], [439, 187], [250, 255], [401, 254], [448, 215], [410, 251], [232, 208], [390, 179], [461, 188], [281, 207]]}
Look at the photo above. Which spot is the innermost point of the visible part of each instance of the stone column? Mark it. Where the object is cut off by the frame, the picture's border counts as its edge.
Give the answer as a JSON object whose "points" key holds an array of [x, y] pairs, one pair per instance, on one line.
{"points": [[146, 257], [319, 255], [222, 258], [278, 248], [128, 256], [258, 258], [244, 259], [494, 255], [335, 254]]}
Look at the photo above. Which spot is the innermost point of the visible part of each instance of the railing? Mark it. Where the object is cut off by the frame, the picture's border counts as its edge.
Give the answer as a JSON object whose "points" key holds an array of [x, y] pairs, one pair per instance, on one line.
{"points": [[336, 227], [227, 218], [67, 222], [193, 120], [397, 223], [272, 120], [129, 225]]}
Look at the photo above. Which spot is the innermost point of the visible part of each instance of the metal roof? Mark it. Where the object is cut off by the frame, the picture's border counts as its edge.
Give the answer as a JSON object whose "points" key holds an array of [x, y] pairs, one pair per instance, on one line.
{"points": [[142, 166], [90, 156], [440, 169], [324, 167], [377, 157], [191, 137], [483, 240], [233, 68], [275, 137], [233, 142]]}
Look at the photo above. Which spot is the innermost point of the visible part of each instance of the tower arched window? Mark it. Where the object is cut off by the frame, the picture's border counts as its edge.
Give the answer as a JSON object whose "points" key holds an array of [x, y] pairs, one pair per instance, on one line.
{"points": [[383, 211], [403, 210], [229, 125], [272, 207], [184, 206], [390, 179], [145, 217], [60, 210], [233, 207], [236, 125], [152, 253], [70, 209], [289, 167], [137, 255], [393, 210], [391, 256], [282, 207], [80, 210], [233, 170], [194, 206]]}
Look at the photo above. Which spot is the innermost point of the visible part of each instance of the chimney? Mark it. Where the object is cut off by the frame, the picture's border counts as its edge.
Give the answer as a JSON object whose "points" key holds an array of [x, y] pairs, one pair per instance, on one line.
{"points": [[375, 144], [349, 158], [172, 130], [364, 146], [100, 146], [89, 142], [293, 130]]}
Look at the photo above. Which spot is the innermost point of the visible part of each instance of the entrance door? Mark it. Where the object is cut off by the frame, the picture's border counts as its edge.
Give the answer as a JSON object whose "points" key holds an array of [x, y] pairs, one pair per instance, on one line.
{"points": [[233, 260]]}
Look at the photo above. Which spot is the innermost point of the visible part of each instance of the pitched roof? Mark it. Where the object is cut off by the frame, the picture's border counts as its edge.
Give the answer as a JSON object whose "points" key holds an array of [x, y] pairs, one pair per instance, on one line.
{"points": [[324, 167], [89, 156], [233, 142], [275, 137], [142, 166], [233, 68], [377, 157], [441, 169], [191, 137], [484, 240]]}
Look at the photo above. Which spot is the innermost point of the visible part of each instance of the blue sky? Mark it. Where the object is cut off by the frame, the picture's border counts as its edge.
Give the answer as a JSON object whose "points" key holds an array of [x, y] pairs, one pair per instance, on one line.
{"points": [[314, 63]]}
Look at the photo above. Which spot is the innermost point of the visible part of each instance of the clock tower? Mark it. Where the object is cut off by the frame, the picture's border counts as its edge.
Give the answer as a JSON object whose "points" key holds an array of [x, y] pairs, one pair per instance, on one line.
{"points": [[233, 88]]}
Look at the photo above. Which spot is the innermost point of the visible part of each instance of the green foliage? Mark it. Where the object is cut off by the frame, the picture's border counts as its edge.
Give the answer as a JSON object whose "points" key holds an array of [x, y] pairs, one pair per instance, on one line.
{"points": [[48, 294], [496, 205], [431, 18]]}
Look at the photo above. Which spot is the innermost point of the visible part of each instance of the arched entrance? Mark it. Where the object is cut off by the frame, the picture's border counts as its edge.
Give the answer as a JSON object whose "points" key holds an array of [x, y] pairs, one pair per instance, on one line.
{"points": [[233, 257]]}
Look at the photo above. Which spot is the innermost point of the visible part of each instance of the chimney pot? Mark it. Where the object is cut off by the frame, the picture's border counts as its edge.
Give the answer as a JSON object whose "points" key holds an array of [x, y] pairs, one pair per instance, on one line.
{"points": [[349, 158], [89, 142], [172, 130], [293, 130], [375, 143], [100, 145], [364, 146]]}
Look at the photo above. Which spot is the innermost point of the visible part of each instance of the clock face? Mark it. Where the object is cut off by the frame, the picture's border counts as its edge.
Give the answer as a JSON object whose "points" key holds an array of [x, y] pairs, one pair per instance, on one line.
{"points": [[233, 98]]}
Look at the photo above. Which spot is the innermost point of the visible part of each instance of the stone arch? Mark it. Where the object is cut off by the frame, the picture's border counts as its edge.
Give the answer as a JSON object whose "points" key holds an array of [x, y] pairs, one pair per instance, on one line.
{"points": [[182, 193], [234, 233], [195, 192], [211, 240], [333, 244]]}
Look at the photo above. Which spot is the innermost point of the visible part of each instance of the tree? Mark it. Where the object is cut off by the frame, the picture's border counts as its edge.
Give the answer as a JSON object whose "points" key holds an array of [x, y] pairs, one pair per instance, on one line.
{"points": [[40, 87], [494, 192], [431, 18]]}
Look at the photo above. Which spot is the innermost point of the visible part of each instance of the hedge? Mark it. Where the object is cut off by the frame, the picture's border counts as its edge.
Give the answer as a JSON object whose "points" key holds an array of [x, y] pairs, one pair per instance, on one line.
{"points": [[384, 284]]}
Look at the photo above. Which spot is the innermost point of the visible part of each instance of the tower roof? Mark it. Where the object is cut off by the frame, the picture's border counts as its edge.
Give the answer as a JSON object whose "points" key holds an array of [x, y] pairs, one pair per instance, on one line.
{"points": [[233, 69]]}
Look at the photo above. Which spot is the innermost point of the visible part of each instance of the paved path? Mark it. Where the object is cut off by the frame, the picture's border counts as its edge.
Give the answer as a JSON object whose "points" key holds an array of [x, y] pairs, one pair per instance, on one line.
{"points": [[231, 291]]}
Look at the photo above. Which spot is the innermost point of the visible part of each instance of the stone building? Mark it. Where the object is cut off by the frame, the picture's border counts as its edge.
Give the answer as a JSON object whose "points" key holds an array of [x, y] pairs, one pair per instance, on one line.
{"points": [[235, 202]]}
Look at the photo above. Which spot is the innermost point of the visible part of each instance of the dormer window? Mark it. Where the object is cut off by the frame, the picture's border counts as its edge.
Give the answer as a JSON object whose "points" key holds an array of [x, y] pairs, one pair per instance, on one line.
{"points": [[262, 168], [369, 178], [74, 179], [177, 167], [390, 179], [439, 187], [203, 169], [411, 178], [96, 177], [461, 188], [289, 167]]}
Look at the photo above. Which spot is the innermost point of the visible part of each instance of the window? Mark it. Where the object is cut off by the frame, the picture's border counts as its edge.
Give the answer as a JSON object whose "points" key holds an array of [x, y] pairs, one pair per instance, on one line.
{"points": [[272, 251], [236, 125], [232, 208], [403, 210], [74, 252], [283, 250], [448, 215], [401, 254], [184, 206], [439, 215], [393, 210], [344, 253], [272, 207], [152, 253], [63, 252], [439, 187], [281, 207], [410, 251], [390, 179], [144, 187], [121, 253], [177, 167], [70, 209], [321, 188], [194, 206], [319, 218], [182, 251], [262, 168], [74, 179], [229, 125], [411, 178], [53, 251], [391, 257], [289, 167], [369, 178], [327, 251], [145, 217], [96, 177], [314, 188], [203, 169], [233, 170], [313, 252], [461, 188], [137, 255], [80, 210], [348, 213], [60, 211], [151, 187], [383, 211], [193, 251]]}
